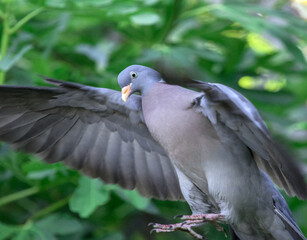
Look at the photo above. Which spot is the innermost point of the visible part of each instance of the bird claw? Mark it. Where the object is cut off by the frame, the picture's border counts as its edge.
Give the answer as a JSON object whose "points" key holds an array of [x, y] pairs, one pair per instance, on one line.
{"points": [[210, 217], [159, 230], [191, 221], [184, 226]]}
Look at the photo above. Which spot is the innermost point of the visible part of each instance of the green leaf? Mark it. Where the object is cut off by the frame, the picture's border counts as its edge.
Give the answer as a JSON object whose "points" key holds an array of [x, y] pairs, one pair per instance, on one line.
{"points": [[259, 44], [40, 170], [42, 174], [37, 165], [9, 60], [59, 224], [31, 232], [45, 235], [134, 198], [145, 19], [122, 9], [99, 53], [24, 234], [88, 196], [59, 26], [7, 231], [92, 3], [115, 236], [56, 3]]}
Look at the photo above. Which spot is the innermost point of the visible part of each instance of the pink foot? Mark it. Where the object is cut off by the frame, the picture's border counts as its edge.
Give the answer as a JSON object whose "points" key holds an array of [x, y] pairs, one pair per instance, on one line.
{"points": [[191, 221], [186, 227]]}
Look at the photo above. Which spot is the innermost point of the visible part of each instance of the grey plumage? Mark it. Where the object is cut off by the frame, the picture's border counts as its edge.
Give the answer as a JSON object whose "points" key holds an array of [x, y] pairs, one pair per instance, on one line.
{"points": [[210, 147], [91, 130], [226, 108]]}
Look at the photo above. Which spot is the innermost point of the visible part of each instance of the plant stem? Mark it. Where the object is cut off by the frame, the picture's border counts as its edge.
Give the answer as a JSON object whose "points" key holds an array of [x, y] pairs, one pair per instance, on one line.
{"points": [[7, 31], [19, 195], [51, 208], [30, 191], [25, 19], [5, 38], [4, 43]]}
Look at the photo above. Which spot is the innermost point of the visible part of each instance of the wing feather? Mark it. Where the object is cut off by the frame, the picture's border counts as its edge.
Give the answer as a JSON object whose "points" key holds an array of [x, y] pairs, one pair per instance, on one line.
{"points": [[89, 129], [227, 108]]}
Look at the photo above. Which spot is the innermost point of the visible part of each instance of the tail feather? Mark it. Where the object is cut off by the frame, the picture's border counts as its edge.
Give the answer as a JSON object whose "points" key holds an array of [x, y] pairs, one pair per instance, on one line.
{"points": [[282, 210]]}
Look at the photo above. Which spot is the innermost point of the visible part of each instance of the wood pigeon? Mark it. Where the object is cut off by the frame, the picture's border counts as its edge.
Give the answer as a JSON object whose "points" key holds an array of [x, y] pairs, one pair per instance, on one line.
{"points": [[208, 147]]}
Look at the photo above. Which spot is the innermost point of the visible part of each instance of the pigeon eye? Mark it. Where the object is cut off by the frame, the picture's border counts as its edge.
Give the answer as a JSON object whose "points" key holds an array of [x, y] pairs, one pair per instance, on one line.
{"points": [[133, 74]]}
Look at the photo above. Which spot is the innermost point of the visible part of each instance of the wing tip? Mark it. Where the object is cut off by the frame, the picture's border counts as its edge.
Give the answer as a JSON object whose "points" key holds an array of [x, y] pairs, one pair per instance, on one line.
{"points": [[302, 195], [294, 229], [60, 83]]}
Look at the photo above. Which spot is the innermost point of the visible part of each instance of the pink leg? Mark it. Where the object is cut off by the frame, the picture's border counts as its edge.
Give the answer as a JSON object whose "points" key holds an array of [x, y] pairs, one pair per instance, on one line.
{"points": [[209, 217]]}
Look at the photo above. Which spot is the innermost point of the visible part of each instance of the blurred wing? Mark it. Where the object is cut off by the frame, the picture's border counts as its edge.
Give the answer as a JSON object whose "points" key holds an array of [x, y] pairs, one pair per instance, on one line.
{"points": [[224, 105], [90, 129]]}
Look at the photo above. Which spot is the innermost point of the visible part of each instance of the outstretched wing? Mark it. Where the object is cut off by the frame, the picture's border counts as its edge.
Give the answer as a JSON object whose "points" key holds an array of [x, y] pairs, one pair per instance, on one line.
{"points": [[224, 105], [90, 129]]}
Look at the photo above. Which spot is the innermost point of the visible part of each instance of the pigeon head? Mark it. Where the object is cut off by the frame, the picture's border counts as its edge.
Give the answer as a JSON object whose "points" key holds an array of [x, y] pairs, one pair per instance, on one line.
{"points": [[137, 78]]}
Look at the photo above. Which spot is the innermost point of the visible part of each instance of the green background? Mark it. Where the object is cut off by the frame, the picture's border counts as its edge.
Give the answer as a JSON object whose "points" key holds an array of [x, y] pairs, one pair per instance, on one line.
{"points": [[258, 48]]}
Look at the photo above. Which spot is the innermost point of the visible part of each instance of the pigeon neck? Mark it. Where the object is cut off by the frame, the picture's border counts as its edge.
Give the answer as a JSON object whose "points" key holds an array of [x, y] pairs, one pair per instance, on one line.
{"points": [[148, 86]]}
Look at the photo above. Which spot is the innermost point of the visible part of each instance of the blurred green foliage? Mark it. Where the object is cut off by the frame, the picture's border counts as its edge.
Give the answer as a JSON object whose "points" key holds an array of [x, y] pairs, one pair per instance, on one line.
{"points": [[258, 48]]}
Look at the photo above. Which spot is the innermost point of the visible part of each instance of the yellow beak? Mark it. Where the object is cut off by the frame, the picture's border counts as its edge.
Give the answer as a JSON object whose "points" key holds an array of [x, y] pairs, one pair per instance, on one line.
{"points": [[126, 92]]}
